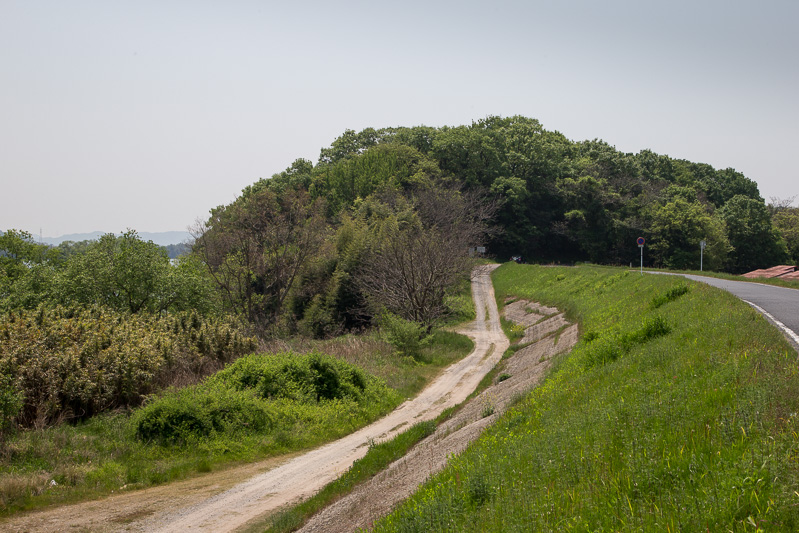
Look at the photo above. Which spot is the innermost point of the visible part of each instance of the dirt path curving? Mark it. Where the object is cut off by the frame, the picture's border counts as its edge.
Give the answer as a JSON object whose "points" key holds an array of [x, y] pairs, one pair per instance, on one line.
{"points": [[548, 334], [214, 503]]}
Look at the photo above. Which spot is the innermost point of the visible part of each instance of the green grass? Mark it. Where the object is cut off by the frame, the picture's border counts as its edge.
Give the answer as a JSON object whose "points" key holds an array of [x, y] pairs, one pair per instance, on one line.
{"points": [[690, 425], [93, 458]]}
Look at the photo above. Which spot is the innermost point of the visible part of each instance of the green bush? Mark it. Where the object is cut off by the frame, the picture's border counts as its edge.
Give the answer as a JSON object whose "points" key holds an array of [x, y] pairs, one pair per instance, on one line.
{"points": [[195, 413], [406, 336], [309, 377], [261, 393], [72, 363], [668, 296], [11, 401], [605, 349]]}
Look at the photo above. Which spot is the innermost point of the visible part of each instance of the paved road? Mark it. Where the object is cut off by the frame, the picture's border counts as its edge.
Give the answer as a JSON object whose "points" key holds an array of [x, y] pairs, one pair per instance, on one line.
{"points": [[779, 304]]}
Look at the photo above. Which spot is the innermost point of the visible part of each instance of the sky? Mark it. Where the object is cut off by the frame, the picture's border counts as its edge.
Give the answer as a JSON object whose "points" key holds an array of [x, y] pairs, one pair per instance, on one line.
{"points": [[147, 114]]}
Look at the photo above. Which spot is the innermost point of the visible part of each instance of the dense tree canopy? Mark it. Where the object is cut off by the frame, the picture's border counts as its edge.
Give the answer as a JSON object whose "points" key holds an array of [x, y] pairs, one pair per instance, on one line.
{"points": [[561, 200], [755, 241]]}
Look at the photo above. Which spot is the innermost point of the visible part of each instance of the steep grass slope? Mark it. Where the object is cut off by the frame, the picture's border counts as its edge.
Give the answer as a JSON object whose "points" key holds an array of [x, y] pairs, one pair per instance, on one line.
{"points": [[677, 410]]}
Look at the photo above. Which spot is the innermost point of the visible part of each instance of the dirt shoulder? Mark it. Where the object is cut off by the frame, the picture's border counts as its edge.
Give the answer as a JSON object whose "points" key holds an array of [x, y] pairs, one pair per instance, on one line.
{"points": [[228, 500]]}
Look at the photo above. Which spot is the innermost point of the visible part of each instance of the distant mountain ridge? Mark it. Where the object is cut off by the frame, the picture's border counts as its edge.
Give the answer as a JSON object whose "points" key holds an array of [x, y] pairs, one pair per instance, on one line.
{"points": [[164, 238]]}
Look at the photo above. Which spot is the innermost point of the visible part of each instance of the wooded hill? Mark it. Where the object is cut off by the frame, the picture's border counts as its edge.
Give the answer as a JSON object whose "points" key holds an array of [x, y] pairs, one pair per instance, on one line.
{"points": [[561, 200]]}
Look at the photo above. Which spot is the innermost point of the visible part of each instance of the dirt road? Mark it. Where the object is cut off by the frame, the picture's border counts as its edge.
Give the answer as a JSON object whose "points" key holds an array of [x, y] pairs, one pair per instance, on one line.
{"points": [[547, 334], [209, 503]]}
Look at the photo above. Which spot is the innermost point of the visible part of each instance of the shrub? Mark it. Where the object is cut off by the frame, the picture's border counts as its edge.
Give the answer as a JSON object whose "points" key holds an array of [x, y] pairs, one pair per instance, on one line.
{"points": [[265, 393], [312, 376], [406, 336], [605, 349], [11, 401], [74, 363], [198, 412]]}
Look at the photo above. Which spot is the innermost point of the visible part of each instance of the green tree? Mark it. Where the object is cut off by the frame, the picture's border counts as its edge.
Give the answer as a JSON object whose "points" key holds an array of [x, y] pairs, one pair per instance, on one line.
{"points": [[786, 221], [255, 248], [26, 270], [18, 251], [384, 166], [677, 228], [588, 220], [756, 243], [129, 274], [421, 250]]}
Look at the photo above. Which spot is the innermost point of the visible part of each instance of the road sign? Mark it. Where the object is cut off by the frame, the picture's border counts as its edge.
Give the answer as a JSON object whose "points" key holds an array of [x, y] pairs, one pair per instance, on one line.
{"points": [[640, 241]]}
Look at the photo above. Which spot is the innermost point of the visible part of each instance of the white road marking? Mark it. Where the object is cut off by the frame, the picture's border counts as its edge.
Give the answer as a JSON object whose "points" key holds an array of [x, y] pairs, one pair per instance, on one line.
{"points": [[788, 331]]}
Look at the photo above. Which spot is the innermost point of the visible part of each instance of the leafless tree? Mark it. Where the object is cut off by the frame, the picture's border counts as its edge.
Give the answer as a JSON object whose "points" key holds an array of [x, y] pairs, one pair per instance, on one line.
{"points": [[419, 257]]}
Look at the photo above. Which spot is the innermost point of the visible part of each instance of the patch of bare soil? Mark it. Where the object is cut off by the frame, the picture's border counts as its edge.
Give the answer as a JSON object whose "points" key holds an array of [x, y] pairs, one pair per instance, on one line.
{"points": [[121, 511], [227, 501], [375, 498]]}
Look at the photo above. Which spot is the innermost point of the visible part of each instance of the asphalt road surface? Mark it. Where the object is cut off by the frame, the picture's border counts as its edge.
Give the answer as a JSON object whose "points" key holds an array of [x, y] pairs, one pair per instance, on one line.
{"points": [[778, 304]]}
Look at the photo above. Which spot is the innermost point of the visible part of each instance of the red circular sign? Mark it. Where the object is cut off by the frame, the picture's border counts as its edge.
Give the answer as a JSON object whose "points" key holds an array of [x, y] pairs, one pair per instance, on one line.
{"points": [[640, 241]]}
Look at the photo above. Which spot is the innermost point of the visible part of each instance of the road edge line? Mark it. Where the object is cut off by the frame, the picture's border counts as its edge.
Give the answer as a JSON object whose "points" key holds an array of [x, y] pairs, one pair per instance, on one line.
{"points": [[791, 334]]}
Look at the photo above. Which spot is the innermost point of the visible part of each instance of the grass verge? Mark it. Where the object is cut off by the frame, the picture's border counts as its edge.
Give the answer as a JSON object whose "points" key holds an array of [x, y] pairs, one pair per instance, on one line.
{"points": [[677, 410]]}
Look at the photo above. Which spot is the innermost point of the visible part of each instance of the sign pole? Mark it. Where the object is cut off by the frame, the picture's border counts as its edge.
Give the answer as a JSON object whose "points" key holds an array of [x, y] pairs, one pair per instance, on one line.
{"points": [[702, 245], [641, 246]]}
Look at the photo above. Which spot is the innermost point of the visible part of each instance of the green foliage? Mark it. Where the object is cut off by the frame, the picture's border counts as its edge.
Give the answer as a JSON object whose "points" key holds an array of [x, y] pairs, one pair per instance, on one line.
{"points": [[609, 347], [256, 247], [74, 363], [786, 221], [381, 167], [669, 296], [266, 393], [694, 428], [196, 413], [11, 402], [26, 270], [304, 378], [757, 244], [406, 336], [123, 272], [677, 228]]}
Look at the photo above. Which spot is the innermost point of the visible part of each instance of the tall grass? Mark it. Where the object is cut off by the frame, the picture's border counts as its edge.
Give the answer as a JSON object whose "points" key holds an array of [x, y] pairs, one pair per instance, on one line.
{"points": [[690, 426]]}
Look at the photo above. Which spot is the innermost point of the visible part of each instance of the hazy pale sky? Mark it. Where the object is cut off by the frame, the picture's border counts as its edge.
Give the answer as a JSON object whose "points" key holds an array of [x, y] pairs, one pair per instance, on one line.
{"points": [[146, 114]]}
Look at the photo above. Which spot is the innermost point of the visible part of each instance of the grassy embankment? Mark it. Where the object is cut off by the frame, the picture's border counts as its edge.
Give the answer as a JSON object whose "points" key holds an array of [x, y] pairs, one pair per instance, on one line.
{"points": [[677, 410], [232, 417]]}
